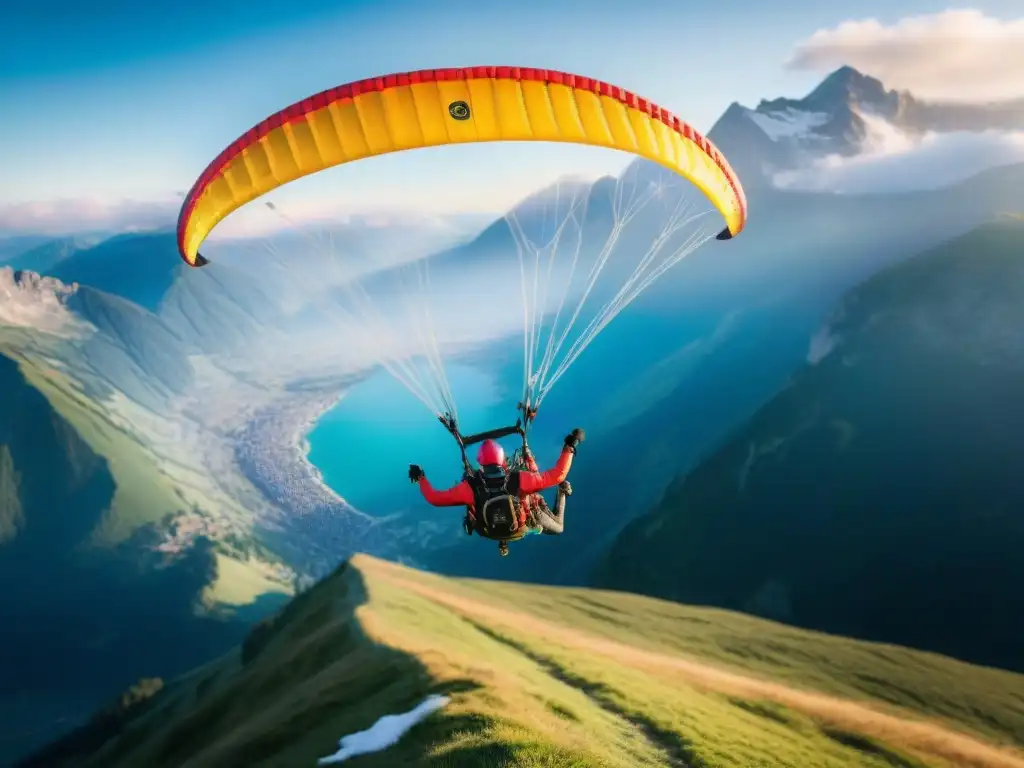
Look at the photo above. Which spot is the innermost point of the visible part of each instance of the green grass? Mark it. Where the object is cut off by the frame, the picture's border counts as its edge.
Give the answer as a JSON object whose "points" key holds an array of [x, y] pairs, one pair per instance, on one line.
{"points": [[143, 494], [524, 692], [149, 488], [241, 583], [987, 701]]}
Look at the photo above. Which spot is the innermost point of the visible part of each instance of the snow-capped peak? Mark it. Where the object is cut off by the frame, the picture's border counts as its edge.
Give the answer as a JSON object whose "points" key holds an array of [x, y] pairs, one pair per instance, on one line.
{"points": [[847, 114], [829, 120]]}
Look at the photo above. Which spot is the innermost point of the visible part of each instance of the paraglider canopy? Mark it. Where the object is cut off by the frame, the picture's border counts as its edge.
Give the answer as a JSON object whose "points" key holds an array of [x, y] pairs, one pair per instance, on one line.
{"points": [[432, 108], [450, 106]]}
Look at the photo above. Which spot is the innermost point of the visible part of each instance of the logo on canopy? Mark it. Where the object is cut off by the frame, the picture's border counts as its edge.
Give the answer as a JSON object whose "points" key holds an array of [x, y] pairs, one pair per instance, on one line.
{"points": [[459, 110]]}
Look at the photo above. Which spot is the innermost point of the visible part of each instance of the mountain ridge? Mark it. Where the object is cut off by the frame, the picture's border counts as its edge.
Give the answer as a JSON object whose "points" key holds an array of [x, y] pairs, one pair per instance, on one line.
{"points": [[587, 677]]}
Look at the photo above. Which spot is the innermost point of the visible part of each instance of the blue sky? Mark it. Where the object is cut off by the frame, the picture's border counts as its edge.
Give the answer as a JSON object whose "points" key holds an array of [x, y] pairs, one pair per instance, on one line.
{"points": [[114, 99]]}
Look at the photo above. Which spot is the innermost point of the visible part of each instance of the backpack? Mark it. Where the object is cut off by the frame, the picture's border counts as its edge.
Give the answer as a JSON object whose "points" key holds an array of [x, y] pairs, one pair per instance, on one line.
{"points": [[497, 511]]}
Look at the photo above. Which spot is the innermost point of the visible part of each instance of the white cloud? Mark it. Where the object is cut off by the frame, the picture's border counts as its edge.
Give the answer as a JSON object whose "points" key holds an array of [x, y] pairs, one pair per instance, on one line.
{"points": [[257, 219], [958, 55], [892, 161], [71, 216], [77, 215], [36, 302]]}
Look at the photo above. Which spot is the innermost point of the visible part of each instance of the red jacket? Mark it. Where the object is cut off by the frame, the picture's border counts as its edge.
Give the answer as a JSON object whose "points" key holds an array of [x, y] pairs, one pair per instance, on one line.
{"points": [[530, 482]]}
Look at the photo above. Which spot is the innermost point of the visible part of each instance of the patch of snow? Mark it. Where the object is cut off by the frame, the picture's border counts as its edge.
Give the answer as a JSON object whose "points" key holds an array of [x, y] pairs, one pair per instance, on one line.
{"points": [[384, 733], [788, 123]]}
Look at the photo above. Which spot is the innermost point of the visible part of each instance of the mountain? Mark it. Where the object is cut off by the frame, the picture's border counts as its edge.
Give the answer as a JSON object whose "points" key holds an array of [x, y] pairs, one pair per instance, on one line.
{"points": [[119, 349], [839, 117], [12, 246], [140, 268], [127, 551], [43, 257], [545, 676], [134, 353], [209, 310], [221, 309], [135, 289], [98, 596], [878, 494], [257, 290]]}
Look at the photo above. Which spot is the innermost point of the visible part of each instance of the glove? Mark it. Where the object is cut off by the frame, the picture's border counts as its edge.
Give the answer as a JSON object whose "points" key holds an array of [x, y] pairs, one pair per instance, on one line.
{"points": [[415, 473], [574, 438]]}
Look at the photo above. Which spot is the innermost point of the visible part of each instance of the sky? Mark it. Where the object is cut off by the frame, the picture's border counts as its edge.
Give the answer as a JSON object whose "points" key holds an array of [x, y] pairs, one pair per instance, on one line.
{"points": [[112, 108]]}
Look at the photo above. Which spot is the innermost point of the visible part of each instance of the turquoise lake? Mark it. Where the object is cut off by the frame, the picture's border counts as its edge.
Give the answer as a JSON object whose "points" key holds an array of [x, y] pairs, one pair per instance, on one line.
{"points": [[365, 444]]}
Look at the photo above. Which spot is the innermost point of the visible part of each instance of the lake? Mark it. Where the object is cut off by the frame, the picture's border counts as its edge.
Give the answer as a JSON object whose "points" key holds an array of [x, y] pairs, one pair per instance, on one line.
{"points": [[365, 444]]}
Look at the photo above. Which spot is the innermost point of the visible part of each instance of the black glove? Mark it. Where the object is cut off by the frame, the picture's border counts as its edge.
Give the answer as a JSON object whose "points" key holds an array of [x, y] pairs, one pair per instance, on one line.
{"points": [[574, 438], [415, 473]]}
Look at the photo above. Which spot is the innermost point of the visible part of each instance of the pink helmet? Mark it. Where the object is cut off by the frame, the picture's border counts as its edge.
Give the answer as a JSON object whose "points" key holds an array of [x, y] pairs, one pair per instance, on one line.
{"points": [[490, 453]]}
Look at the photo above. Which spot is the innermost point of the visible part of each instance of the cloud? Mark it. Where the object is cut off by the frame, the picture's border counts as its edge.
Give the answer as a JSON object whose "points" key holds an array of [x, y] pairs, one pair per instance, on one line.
{"points": [[40, 303], [956, 55], [258, 219], [892, 161], [72, 216], [77, 215]]}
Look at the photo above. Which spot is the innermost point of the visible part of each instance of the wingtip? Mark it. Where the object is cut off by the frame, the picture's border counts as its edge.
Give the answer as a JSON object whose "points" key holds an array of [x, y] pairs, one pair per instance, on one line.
{"points": [[725, 234]]}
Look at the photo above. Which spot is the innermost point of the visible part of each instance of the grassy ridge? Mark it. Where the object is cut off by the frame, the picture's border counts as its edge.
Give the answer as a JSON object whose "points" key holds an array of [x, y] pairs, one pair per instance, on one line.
{"points": [[375, 639]]}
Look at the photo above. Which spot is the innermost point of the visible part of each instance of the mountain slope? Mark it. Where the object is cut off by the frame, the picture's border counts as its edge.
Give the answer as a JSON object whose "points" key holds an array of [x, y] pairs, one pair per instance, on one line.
{"points": [[877, 495], [587, 678], [139, 268], [134, 352], [221, 308], [45, 256], [109, 557], [12, 246], [45, 469], [242, 295]]}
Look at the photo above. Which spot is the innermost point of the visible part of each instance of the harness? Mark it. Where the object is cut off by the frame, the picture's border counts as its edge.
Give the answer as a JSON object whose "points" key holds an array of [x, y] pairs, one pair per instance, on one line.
{"points": [[497, 511]]}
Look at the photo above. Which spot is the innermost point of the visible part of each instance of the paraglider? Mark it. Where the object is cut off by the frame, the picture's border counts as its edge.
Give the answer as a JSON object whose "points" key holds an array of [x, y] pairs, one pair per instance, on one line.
{"points": [[432, 108], [503, 502]]}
